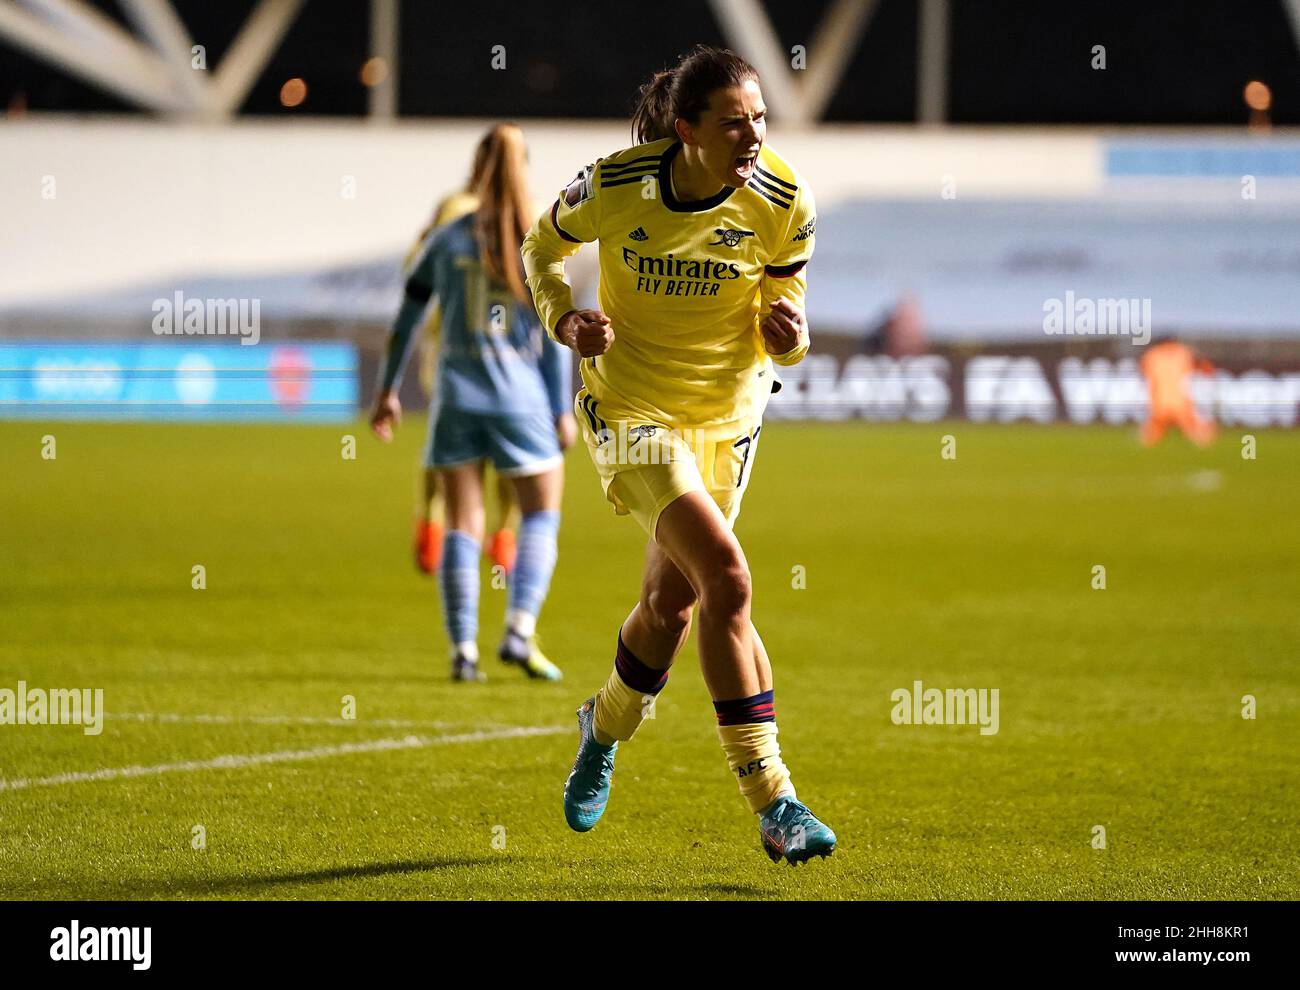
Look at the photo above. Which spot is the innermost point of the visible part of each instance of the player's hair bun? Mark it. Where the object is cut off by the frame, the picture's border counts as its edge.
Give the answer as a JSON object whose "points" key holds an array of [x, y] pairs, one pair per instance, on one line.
{"points": [[683, 91]]}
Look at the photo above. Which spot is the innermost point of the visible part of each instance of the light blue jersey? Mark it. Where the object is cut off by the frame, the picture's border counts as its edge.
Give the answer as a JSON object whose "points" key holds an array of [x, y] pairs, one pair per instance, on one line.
{"points": [[500, 387], [493, 355]]}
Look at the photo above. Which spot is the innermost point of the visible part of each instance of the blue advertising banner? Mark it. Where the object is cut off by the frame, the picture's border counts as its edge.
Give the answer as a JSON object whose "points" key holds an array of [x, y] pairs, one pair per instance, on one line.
{"points": [[309, 382], [1200, 158]]}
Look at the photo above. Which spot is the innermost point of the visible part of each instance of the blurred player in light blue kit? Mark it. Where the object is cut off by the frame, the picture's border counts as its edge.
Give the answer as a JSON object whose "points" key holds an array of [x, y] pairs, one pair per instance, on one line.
{"points": [[503, 394], [430, 530]]}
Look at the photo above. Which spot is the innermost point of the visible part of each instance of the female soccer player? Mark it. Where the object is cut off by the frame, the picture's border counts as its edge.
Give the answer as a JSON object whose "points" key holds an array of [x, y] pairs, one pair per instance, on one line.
{"points": [[503, 394], [429, 524], [704, 232]]}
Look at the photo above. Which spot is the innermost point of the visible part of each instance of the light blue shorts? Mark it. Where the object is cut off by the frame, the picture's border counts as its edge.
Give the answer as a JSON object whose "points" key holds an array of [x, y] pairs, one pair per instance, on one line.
{"points": [[518, 444]]}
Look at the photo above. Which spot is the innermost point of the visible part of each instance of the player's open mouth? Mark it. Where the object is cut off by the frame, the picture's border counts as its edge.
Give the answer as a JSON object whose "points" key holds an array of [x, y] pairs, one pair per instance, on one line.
{"points": [[744, 164]]}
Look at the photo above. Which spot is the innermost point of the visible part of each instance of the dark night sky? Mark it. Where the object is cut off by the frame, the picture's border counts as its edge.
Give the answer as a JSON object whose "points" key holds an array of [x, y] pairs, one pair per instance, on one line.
{"points": [[1012, 62]]}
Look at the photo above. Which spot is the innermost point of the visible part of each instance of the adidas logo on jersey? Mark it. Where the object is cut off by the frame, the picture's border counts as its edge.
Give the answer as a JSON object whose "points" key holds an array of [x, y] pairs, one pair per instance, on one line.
{"points": [[639, 235]]}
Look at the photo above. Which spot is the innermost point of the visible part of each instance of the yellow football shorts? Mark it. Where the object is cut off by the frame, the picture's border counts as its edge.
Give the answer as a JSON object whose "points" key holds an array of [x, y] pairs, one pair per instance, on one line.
{"points": [[643, 467]]}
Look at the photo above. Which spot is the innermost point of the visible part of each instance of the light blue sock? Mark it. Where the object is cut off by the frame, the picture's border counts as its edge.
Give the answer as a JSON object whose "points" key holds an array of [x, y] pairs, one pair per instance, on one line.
{"points": [[534, 565], [459, 579]]}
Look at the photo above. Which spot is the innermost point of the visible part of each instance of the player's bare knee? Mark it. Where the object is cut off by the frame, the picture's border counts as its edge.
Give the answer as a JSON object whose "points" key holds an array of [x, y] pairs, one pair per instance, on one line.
{"points": [[471, 526], [669, 612], [727, 590]]}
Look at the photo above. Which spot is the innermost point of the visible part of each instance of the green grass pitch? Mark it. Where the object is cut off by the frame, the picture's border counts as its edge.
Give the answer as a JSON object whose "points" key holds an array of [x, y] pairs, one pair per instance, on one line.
{"points": [[1119, 707]]}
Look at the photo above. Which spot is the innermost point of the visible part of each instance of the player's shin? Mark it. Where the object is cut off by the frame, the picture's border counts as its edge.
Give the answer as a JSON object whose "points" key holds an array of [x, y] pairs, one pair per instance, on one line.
{"points": [[627, 698], [459, 579], [534, 566], [747, 729]]}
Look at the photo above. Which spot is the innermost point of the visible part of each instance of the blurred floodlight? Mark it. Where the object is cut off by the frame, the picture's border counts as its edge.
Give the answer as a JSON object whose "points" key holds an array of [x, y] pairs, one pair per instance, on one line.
{"points": [[1257, 95], [293, 92], [374, 72]]}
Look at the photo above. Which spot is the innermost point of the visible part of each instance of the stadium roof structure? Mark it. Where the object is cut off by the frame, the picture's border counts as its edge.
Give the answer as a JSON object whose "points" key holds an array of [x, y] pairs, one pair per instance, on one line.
{"points": [[153, 67], [149, 61]]}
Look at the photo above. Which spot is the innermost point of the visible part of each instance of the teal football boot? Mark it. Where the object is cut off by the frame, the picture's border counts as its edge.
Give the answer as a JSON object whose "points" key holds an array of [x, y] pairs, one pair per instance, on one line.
{"points": [[789, 829], [586, 792]]}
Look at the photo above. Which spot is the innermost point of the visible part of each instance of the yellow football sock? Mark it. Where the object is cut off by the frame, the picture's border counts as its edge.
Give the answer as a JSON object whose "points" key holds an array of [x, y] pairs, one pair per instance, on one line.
{"points": [[620, 709], [755, 758]]}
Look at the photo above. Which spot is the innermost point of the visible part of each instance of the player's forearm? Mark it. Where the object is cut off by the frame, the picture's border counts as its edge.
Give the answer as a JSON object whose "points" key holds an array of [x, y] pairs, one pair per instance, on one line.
{"points": [[772, 287], [544, 252], [793, 289], [553, 297], [399, 342]]}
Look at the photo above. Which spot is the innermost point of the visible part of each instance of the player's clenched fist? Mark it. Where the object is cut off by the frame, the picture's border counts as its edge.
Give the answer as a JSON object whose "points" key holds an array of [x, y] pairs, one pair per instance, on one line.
{"points": [[586, 331], [783, 326]]}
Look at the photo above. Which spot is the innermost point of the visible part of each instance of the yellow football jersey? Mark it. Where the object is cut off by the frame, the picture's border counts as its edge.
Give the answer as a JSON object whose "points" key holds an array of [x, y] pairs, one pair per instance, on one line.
{"points": [[684, 284]]}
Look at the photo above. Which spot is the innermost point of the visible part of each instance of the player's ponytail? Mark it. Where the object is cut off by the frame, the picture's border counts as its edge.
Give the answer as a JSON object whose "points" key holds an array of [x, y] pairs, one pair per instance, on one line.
{"points": [[505, 208], [480, 161], [475, 174], [684, 90], [650, 120]]}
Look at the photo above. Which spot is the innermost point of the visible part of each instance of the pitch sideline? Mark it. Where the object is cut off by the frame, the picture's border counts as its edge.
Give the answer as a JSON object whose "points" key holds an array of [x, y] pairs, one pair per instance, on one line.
{"points": [[174, 718], [234, 761]]}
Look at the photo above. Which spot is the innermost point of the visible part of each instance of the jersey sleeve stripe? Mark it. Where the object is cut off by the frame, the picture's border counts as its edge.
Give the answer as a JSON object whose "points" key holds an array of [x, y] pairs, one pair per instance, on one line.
{"points": [[631, 178], [785, 271], [788, 196], [555, 222], [767, 195], [612, 170], [780, 182]]}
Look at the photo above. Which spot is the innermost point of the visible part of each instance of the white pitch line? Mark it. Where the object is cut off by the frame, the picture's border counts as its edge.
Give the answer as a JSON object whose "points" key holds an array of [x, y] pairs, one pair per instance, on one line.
{"points": [[200, 719], [234, 761]]}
